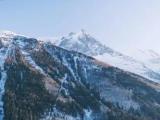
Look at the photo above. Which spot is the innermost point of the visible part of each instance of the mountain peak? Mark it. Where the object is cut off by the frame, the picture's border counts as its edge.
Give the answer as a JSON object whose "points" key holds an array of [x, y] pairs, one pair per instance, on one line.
{"points": [[83, 31], [80, 34], [81, 42], [7, 33], [71, 33]]}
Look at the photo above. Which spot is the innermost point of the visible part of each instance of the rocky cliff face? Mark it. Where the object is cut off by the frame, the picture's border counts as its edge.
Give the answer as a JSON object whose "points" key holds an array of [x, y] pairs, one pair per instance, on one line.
{"points": [[40, 81]]}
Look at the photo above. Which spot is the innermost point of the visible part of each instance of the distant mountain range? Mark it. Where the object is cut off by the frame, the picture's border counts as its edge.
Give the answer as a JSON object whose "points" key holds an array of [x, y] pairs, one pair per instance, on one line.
{"points": [[63, 80]]}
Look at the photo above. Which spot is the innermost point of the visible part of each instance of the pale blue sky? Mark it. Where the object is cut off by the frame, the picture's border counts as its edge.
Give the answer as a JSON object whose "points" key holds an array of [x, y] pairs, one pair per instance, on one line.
{"points": [[121, 24]]}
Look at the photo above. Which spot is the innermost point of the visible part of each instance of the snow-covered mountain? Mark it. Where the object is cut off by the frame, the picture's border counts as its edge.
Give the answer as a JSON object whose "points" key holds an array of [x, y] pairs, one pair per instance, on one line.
{"points": [[40, 81], [82, 42], [86, 44], [149, 57]]}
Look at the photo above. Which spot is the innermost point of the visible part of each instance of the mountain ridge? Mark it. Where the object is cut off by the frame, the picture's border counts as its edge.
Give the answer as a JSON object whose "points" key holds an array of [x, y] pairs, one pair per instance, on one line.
{"points": [[46, 82], [85, 43]]}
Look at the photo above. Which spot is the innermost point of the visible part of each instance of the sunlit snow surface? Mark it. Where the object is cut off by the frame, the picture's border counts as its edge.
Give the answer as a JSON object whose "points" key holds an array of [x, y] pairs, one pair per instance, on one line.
{"points": [[149, 57]]}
